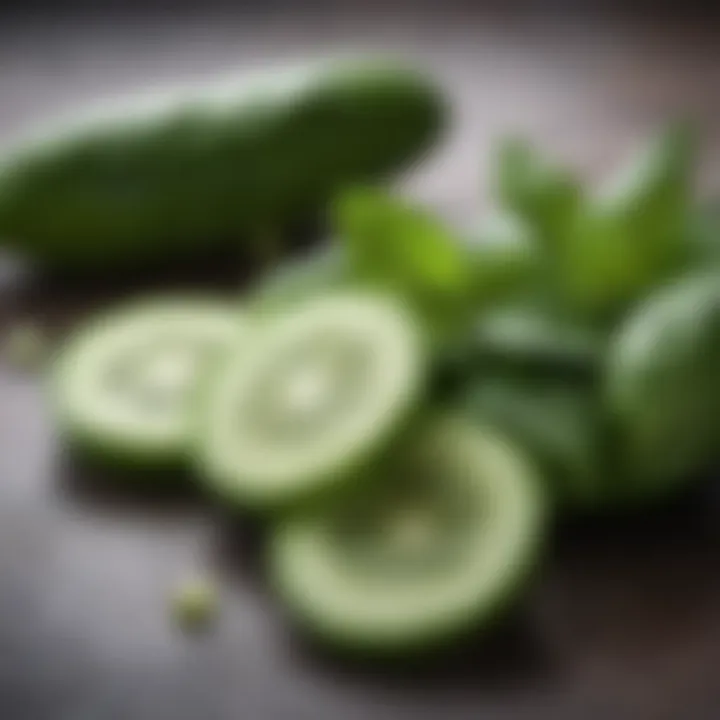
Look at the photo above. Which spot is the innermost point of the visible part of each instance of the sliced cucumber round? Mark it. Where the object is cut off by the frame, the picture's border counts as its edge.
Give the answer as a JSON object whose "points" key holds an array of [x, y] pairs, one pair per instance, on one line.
{"points": [[437, 546], [322, 388], [126, 384]]}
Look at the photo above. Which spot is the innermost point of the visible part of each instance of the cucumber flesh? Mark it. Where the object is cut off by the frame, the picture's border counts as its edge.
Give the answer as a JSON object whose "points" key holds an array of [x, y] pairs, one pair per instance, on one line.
{"points": [[448, 536], [127, 383], [319, 392]]}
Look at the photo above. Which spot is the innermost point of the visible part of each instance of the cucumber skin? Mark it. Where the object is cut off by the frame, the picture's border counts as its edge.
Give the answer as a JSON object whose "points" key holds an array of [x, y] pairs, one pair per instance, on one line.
{"points": [[661, 386], [135, 187]]}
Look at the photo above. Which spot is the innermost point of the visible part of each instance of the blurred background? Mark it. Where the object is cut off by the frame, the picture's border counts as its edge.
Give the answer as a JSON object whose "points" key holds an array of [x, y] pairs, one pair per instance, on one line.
{"points": [[619, 629], [586, 78]]}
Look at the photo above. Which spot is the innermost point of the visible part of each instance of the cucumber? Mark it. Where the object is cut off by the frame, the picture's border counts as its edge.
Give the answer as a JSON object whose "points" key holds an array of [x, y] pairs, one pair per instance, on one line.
{"points": [[321, 390], [139, 181], [442, 545], [124, 388], [546, 196], [662, 384]]}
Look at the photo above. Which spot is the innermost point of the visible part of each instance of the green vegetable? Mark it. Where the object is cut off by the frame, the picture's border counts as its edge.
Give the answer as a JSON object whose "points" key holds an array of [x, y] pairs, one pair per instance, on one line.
{"points": [[323, 388], [662, 385], [125, 385], [439, 545], [141, 182]]}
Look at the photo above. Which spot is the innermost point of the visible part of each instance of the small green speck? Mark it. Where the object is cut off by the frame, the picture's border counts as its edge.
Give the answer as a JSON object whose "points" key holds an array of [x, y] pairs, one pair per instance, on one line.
{"points": [[24, 346], [195, 604]]}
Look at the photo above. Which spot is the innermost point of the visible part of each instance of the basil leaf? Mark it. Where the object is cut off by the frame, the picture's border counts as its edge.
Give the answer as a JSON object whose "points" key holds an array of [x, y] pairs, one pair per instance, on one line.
{"points": [[504, 257], [653, 190], [634, 235], [703, 234], [547, 197], [390, 240]]}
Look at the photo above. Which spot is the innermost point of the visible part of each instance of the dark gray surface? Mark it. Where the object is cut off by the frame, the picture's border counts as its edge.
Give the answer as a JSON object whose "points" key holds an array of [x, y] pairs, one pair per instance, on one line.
{"points": [[625, 621]]}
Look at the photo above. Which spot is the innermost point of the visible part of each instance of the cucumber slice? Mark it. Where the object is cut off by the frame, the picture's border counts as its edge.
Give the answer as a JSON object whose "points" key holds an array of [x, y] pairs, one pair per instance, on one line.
{"points": [[126, 384], [320, 391], [438, 547]]}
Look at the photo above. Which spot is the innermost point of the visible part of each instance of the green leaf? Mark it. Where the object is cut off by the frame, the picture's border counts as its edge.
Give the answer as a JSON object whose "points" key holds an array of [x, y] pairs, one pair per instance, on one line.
{"points": [[504, 258], [650, 190], [546, 196], [390, 240], [635, 233], [405, 248], [536, 338], [603, 269], [703, 234], [448, 274]]}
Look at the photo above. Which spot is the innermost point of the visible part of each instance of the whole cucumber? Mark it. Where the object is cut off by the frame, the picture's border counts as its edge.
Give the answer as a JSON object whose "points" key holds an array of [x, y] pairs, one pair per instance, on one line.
{"points": [[662, 383], [146, 180]]}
